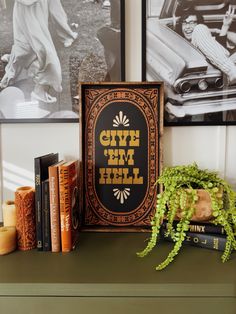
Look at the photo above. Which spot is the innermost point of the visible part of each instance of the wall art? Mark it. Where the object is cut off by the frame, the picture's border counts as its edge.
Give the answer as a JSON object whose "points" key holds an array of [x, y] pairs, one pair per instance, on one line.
{"points": [[122, 125], [47, 46], [191, 46]]}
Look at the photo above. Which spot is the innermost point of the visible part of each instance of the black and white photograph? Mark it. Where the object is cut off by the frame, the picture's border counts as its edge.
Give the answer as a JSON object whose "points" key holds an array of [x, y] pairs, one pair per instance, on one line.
{"points": [[191, 46], [48, 46]]}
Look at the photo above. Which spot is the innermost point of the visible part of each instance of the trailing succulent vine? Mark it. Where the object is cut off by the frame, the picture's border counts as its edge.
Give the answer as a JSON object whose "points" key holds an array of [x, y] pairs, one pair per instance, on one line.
{"points": [[180, 192]]}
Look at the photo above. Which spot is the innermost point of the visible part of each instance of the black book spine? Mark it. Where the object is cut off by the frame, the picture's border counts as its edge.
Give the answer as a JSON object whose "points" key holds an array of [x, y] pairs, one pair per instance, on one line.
{"points": [[38, 205], [200, 227], [41, 165], [46, 229], [208, 241]]}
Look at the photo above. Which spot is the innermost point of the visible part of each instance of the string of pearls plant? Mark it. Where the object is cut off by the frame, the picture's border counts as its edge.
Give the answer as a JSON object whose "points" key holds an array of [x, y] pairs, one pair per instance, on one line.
{"points": [[180, 184]]}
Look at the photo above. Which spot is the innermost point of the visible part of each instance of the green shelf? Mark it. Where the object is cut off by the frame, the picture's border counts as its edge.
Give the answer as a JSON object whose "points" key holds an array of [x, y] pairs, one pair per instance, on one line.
{"points": [[105, 268]]}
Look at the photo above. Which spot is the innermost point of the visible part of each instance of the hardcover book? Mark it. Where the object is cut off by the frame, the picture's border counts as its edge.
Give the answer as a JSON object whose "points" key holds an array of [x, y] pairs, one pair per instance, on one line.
{"points": [[41, 165], [55, 206], [208, 241], [121, 151], [69, 204], [46, 229], [200, 227], [204, 240]]}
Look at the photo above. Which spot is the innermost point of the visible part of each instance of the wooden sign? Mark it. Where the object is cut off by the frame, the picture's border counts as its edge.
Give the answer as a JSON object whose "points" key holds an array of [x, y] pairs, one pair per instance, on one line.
{"points": [[121, 127]]}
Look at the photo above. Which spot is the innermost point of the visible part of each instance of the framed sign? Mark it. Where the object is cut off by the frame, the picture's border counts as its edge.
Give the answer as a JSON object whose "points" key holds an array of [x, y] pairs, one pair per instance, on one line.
{"points": [[47, 46], [191, 46], [121, 153]]}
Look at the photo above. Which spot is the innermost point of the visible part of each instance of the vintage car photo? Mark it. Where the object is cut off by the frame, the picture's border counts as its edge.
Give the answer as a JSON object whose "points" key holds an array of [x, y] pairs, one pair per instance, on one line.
{"points": [[191, 46]]}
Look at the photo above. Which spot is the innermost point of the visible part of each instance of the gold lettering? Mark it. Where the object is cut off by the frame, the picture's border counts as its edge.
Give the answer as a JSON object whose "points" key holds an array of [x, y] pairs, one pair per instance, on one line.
{"points": [[134, 138], [118, 157], [196, 228], [120, 138], [137, 179], [126, 157], [113, 138], [119, 176], [103, 176], [105, 138], [122, 135], [216, 243], [127, 180], [113, 155], [108, 180]]}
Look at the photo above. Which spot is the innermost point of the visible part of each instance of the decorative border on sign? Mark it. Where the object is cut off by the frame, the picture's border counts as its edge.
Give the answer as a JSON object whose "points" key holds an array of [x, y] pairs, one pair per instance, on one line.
{"points": [[95, 101]]}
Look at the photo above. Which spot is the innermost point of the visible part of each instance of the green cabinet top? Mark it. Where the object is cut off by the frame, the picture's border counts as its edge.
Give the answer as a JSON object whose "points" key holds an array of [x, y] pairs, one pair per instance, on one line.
{"points": [[105, 264]]}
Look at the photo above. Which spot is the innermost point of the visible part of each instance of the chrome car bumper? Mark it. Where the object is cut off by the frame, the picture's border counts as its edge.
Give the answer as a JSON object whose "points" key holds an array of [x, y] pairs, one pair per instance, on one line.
{"points": [[194, 107], [181, 105]]}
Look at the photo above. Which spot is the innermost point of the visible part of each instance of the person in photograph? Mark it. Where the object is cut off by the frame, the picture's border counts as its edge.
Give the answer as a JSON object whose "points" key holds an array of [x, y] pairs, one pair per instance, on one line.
{"points": [[33, 53], [60, 23], [109, 36], [3, 5], [209, 42]]}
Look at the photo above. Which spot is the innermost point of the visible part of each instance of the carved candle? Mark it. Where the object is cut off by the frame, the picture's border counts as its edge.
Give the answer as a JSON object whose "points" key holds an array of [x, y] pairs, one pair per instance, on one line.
{"points": [[7, 240], [25, 218], [9, 214]]}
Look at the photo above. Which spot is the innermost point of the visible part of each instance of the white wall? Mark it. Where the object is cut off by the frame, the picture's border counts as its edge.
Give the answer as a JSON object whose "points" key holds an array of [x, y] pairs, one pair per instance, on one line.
{"points": [[20, 143], [211, 147]]}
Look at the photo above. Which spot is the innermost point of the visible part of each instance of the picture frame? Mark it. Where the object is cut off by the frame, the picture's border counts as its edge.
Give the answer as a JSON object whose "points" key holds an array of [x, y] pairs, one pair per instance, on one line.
{"points": [[121, 154], [53, 45], [199, 74]]}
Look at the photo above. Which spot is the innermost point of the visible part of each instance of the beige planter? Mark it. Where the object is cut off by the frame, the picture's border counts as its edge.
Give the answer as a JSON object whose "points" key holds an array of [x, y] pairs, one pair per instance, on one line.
{"points": [[203, 206]]}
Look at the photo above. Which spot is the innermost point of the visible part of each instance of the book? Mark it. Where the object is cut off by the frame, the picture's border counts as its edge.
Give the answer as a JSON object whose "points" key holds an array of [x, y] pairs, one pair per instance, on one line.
{"points": [[200, 227], [53, 172], [208, 241], [41, 165], [69, 204], [204, 240], [46, 229]]}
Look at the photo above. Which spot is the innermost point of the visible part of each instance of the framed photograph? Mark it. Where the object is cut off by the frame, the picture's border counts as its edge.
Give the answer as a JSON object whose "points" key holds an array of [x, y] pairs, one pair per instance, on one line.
{"points": [[48, 46], [190, 45], [121, 127]]}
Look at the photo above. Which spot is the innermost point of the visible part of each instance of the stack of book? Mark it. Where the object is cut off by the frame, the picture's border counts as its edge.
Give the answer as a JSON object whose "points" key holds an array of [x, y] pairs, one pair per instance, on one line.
{"points": [[205, 235], [56, 203]]}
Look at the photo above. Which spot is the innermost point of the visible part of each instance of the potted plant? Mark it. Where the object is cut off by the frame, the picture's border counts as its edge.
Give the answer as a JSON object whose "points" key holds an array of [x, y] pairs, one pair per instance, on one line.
{"points": [[180, 197]]}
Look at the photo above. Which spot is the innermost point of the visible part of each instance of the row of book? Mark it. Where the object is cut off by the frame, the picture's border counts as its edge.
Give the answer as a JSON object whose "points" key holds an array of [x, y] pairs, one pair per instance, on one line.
{"points": [[56, 203], [205, 235], [57, 209]]}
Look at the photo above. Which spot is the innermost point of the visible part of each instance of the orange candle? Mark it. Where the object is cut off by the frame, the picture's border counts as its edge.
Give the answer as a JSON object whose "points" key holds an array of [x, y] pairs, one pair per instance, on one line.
{"points": [[25, 218]]}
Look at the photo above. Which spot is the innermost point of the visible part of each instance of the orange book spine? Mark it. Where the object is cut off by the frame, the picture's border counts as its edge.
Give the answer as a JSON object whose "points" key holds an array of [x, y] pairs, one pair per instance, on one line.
{"points": [[67, 184], [54, 208]]}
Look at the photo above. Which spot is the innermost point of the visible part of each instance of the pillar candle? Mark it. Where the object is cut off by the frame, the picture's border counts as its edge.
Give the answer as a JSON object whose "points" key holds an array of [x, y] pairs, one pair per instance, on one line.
{"points": [[9, 214], [25, 218], [7, 240]]}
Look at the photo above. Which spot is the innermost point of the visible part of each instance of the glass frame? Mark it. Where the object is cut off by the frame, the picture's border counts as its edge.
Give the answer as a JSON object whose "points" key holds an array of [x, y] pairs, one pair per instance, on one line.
{"points": [[163, 42], [80, 58]]}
